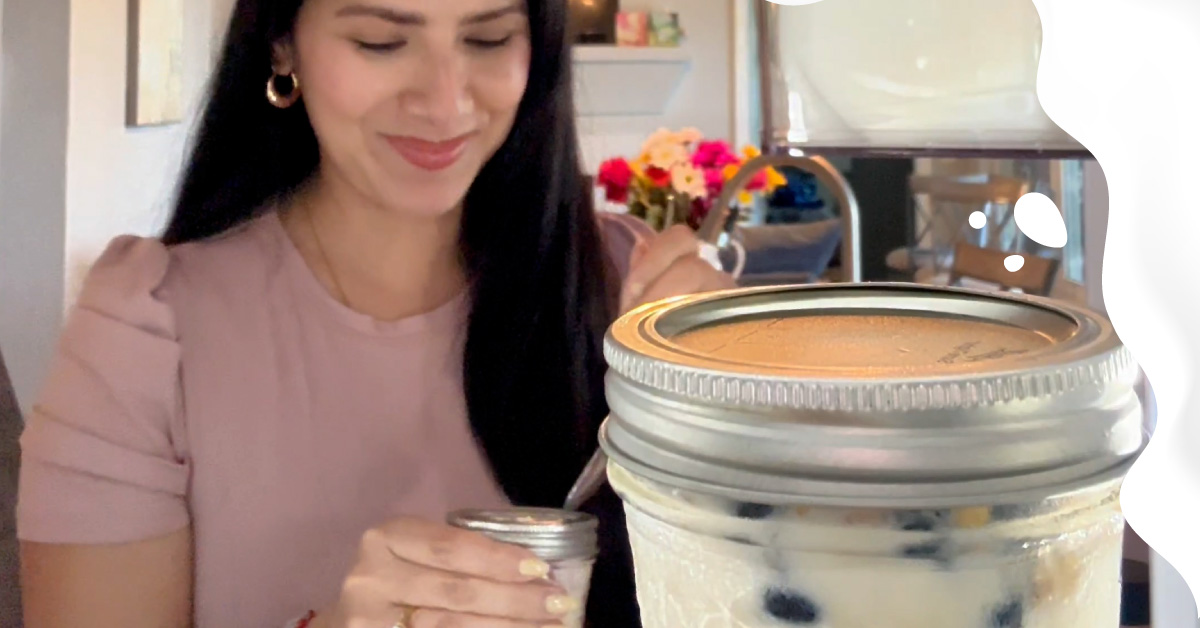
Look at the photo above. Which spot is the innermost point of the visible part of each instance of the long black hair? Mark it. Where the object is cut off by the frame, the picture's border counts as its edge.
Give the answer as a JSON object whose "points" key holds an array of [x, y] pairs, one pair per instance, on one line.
{"points": [[542, 293]]}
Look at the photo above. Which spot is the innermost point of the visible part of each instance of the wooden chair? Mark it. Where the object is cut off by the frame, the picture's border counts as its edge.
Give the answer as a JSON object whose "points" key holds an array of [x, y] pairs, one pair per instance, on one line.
{"points": [[951, 201], [942, 220], [1036, 276], [982, 189]]}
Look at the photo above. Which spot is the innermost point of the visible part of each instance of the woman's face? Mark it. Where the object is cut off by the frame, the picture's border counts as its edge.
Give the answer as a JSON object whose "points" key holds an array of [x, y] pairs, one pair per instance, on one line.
{"points": [[409, 98]]}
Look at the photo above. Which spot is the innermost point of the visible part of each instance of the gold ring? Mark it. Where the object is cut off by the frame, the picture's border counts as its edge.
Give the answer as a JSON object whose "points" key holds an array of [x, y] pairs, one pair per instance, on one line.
{"points": [[406, 615]]}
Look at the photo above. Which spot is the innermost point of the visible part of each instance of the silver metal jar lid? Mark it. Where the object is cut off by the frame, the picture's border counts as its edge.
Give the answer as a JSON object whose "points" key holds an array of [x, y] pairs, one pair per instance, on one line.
{"points": [[870, 395], [550, 534]]}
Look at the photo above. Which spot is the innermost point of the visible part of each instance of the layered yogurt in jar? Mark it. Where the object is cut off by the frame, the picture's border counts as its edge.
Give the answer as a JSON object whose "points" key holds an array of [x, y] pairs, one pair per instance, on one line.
{"points": [[871, 455], [713, 563]]}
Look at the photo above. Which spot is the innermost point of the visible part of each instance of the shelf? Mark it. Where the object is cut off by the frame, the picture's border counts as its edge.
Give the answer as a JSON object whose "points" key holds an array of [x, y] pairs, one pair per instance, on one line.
{"points": [[629, 54], [627, 81]]}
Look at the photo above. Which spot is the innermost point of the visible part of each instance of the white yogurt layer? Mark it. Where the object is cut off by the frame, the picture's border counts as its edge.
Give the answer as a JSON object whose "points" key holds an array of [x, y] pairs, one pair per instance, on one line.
{"points": [[705, 562]]}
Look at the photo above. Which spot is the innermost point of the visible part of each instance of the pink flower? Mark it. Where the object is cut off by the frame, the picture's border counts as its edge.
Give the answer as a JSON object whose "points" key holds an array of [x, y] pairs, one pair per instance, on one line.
{"points": [[615, 176], [714, 154], [714, 180]]}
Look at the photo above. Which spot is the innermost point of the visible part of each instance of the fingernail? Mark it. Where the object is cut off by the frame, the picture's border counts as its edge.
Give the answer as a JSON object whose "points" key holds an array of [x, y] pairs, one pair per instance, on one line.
{"points": [[561, 604], [534, 568]]}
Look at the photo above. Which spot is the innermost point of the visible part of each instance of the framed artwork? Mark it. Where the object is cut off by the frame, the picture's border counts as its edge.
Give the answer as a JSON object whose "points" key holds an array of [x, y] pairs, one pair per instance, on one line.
{"points": [[154, 82]]}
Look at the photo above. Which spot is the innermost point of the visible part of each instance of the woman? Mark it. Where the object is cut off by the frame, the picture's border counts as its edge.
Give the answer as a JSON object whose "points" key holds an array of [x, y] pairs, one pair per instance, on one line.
{"points": [[381, 296]]}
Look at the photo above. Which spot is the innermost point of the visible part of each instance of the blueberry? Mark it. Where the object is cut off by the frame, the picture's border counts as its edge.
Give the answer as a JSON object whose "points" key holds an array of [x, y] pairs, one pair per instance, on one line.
{"points": [[1009, 512], [1010, 614], [926, 550], [936, 551], [790, 607], [747, 510], [920, 520]]}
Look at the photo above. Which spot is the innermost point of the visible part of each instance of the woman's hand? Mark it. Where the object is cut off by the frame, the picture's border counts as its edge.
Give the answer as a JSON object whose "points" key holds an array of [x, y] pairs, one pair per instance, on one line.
{"points": [[420, 574], [669, 266]]}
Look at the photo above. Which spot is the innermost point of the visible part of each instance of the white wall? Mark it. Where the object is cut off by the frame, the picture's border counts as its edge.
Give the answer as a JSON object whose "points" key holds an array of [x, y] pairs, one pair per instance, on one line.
{"points": [[33, 139], [120, 180], [703, 99], [747, 125], [72, 176]]}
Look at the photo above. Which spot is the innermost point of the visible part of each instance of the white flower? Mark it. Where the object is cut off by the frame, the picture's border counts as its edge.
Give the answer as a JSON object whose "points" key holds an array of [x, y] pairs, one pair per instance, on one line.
{"points": [[687, 179], [657, 138], [667, 155], [689, 135]]}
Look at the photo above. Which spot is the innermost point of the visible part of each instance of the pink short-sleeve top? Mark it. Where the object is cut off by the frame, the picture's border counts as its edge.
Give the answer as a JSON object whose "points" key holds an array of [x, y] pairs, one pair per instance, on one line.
{"points": [[217, 384]]}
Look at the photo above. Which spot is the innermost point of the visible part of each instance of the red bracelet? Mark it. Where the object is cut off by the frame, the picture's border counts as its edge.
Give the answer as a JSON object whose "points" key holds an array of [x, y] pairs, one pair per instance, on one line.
{"points": [[303, 622]]}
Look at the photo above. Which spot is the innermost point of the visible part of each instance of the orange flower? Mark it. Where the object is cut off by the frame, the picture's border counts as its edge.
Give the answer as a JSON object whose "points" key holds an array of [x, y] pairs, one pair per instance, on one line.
{"points": [[761, 180], [730, 172], [775, 180]]}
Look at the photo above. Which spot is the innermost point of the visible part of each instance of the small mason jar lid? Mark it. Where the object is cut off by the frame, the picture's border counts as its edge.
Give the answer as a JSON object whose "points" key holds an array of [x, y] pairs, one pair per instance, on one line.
{"points": [[870, 395], [551, 534]]}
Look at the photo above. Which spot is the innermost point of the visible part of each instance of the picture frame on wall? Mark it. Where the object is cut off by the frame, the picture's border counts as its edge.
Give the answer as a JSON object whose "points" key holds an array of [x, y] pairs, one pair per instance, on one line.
{"points": [[154, 81]]}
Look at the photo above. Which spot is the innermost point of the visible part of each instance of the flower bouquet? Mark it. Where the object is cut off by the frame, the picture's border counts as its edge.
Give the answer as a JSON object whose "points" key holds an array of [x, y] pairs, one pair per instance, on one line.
{"points": [[677, 177]]}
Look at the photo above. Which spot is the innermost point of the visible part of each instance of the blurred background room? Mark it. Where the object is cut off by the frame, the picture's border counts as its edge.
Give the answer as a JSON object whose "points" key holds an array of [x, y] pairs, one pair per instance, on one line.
{"points": [[904, 135]]}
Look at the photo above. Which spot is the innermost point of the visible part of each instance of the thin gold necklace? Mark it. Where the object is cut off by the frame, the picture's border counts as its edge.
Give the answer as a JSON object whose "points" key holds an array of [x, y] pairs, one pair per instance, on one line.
{"points": [[337, 285]]}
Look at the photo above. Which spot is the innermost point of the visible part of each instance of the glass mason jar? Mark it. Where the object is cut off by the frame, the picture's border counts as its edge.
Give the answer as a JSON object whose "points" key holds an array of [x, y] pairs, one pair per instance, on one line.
{"points": [[566, 540], [853, 455]]}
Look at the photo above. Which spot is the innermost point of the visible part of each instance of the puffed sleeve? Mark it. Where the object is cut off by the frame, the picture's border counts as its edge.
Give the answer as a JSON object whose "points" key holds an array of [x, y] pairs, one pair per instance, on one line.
{"points": [[104, 454]]}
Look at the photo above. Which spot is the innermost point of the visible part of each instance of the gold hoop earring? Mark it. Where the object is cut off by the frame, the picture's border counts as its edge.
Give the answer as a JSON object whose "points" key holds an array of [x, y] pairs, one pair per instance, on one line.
{"points": [[283, 101]]}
